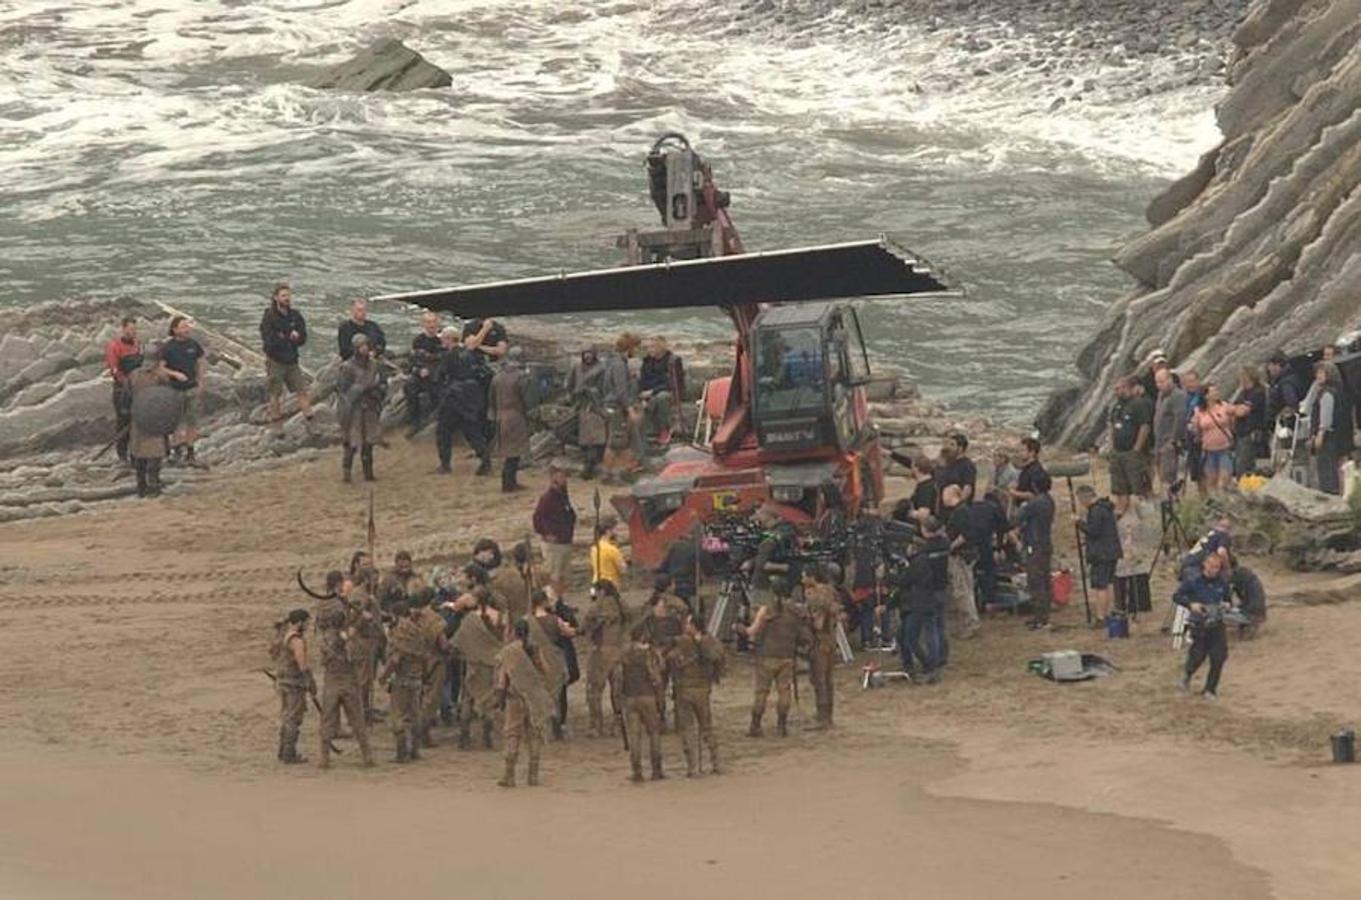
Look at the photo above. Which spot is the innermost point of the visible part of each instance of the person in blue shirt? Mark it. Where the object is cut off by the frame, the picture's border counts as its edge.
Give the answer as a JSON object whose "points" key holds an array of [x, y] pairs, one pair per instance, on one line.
{"points": [[1205, 597]]}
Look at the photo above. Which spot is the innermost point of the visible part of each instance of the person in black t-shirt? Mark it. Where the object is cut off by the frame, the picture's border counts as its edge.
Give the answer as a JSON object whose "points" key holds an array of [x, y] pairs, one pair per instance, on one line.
{"points": [[1131, 435], [956, 468], [360, 323], [490, 338], [421, 389], [1031, 474], [925, 499], [184, 363]]}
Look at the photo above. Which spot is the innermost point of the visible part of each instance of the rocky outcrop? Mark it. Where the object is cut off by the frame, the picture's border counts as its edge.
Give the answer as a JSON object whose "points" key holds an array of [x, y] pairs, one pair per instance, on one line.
{"points": [[388, 65], [1257, 248]]}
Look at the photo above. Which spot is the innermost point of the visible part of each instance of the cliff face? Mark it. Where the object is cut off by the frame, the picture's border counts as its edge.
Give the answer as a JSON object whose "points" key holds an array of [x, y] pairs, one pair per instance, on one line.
{"points": [[1260, 246]]}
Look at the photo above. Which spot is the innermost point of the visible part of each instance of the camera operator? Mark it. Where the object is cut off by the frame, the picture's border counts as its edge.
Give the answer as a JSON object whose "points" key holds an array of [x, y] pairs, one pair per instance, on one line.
{"points": [[1205, 597], [920, 589], [1034, 529]]}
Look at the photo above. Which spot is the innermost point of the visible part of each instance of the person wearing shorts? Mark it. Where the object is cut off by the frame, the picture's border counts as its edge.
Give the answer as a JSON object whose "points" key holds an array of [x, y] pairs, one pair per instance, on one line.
{"points": [[282, 332], [1131, 436], [1213, 423], [1101, 537], [184, 363]]}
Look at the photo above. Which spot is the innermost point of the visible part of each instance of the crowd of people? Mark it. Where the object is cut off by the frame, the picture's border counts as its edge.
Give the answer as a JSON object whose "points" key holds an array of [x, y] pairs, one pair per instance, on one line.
{"points": [[1179, 427], [469, 381]]}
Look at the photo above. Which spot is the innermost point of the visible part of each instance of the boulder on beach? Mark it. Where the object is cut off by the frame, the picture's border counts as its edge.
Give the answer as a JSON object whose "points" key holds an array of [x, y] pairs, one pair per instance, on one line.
{"points": [[388, 65], [1257, 248]]}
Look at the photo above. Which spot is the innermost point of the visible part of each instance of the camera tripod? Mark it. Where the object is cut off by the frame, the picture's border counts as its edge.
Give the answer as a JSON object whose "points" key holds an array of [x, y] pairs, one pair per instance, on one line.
{"points": [[1172, 529]]}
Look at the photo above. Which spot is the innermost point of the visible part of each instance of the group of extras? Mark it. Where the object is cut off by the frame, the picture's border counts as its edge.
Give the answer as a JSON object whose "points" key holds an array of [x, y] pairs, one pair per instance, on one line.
{"points": [[1176, 423], [470, 381], [491, 643]]}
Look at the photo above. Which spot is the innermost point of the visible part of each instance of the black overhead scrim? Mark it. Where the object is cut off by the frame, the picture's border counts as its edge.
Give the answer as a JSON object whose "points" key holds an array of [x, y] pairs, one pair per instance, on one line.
{"points": [[863, 269]]}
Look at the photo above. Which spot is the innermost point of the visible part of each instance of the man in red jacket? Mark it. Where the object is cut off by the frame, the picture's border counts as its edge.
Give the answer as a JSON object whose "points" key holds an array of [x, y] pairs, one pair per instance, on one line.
{"points": [[122, 356], [555, 523]]}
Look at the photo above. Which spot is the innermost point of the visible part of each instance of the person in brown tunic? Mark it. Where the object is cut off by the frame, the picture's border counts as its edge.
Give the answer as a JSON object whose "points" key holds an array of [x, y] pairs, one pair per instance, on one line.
{"points": [[437, 654], [639, 674], [584, 382], [404, 676], [696, 664], [340, 684], [523, 694], [776, 630], [513, 582], [665, 620], [367, 637], [549, 633], [511, 397], [293, 680], [605, 624], [360, 386], [479, 638], [824, 614]]}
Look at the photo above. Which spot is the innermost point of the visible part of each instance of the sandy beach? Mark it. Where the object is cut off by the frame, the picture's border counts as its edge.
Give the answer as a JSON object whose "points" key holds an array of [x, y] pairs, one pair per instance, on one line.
{"points": [[137, 737]]}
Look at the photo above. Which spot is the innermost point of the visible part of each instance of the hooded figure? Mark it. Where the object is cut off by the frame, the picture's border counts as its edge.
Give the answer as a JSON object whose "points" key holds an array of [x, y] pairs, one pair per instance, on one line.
{"points": [[511, 398], [360, 388]]}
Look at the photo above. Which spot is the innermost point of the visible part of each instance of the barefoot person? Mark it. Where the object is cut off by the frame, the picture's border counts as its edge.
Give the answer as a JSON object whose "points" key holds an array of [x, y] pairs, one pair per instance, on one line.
{"points": [[293, 680]]}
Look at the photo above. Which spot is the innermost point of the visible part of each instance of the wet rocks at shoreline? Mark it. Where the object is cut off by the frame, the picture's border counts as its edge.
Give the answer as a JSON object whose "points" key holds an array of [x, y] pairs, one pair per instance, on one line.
{"points": [[388, 65]]}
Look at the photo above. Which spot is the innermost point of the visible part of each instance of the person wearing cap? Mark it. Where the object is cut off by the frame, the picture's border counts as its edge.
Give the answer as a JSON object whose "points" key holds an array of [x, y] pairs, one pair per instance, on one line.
{"points": [[463, 376], [360, 388], [777, 630], [555, 522], [511, 397], [293, 680], [359, 323]]}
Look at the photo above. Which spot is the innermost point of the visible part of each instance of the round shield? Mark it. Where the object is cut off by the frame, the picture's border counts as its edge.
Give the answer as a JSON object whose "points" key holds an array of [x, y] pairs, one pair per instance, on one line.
{"points": [[156, 410]]}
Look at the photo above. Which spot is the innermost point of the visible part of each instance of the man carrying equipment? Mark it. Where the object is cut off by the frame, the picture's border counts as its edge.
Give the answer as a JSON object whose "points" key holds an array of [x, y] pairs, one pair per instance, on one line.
{"points": [[294, 681], [639, 674], [777, 630], [523, 693], [696, 665]]}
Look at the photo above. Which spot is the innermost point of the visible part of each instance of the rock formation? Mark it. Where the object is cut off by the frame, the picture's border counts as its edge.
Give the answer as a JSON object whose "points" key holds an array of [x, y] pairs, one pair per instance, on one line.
{"points": [[1258, 247], [388, 65]]}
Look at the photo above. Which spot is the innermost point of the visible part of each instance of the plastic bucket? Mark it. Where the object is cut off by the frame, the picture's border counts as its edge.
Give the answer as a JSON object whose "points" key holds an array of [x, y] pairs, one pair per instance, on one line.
{"points": [[1117, 626], [1344, 746], [1061, 587]]}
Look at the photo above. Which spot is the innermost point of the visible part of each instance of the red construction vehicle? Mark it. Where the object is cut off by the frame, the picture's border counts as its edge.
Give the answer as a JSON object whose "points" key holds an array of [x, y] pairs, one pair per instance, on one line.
{"points": [[791, 425]]}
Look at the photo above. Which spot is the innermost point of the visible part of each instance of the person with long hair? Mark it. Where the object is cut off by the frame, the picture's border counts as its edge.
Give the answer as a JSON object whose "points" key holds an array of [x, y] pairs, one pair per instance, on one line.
{"points": [[1213, 422]]}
